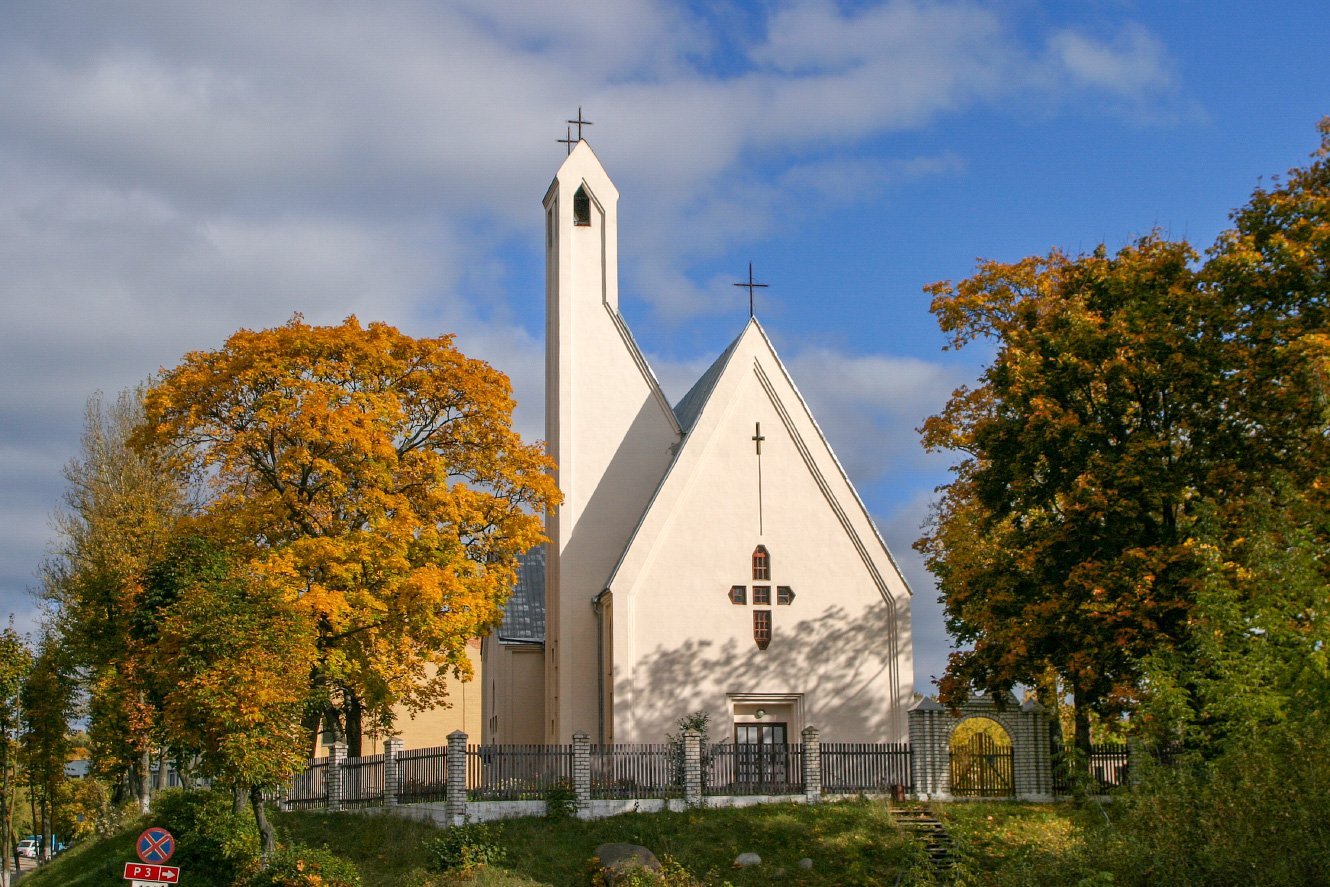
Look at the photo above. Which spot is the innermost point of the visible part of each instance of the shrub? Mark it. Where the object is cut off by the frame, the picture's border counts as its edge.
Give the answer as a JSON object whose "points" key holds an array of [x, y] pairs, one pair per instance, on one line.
{"points": [[464, 846], [560, 801], [298, 866], [1254, 814], [209, 836]]}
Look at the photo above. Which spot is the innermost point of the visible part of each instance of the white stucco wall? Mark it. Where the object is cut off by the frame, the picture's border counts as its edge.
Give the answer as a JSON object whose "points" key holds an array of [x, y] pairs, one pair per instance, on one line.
{"points": [[609, 429], [839, 656]]}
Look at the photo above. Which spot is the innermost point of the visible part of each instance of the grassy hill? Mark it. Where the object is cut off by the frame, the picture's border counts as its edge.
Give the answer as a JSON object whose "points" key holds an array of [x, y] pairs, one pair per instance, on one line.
{"points": [[850, 843]]}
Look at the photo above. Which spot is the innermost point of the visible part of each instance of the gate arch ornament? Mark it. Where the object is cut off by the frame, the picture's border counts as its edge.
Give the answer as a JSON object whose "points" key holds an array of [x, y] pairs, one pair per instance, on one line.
{"points": [[933, 726]]}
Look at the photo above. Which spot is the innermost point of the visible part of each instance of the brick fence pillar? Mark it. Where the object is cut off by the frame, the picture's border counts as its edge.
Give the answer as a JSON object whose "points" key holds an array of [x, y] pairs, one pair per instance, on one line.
{"points": [[812, 765], [455, 806], [1033, 753], [332, 779], [928, 749], [392, 771], [582, 770], [692, 768]]}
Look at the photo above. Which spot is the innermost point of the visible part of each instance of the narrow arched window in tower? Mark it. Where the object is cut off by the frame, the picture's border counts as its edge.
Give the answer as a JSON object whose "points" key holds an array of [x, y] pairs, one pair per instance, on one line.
{"points": [[761, 563], [581, 207]]}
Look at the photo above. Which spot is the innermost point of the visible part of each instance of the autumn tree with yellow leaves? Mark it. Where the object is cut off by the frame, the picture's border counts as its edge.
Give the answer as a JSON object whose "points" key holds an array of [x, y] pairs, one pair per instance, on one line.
{"points": [[370, 479]]}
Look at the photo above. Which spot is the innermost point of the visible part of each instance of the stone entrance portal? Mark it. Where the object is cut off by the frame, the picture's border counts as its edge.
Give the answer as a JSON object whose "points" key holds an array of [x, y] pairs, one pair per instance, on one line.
{"points": [[981, 750]]}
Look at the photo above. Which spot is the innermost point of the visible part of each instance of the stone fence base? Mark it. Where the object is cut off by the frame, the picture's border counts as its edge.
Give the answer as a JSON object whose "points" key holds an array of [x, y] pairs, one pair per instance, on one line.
{"points": [[490, 811]]}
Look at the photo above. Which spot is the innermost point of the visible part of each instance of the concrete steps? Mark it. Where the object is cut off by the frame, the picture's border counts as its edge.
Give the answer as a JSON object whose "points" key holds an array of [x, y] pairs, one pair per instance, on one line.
{"points": [[927, 828]]}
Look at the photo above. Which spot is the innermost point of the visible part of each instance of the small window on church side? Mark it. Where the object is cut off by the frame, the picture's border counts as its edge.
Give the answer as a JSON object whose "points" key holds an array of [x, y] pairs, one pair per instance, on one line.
{"points": [[762, 628], [762, 595], [761, 563], [784, 594], [738, 594], [581, 208]]}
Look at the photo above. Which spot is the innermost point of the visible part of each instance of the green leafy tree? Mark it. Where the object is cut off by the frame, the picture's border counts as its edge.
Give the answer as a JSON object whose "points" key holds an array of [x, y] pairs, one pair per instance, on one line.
{"points": [[122, 506], [1145, 420], [15, 663], [227, 645], [1062, 542], [47, 705]]}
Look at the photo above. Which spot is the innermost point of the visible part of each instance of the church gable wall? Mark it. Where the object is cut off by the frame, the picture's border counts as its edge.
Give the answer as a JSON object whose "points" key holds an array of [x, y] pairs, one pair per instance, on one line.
{"points": [[838, 656]]}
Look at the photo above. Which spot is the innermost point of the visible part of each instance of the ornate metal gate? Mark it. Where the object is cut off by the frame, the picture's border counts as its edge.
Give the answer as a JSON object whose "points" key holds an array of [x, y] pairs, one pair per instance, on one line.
{"points": [[981, 760]]}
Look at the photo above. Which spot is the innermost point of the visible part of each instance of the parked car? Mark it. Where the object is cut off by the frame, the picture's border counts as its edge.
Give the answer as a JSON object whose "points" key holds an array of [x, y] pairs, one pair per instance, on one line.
{"points": [[28, 848]]}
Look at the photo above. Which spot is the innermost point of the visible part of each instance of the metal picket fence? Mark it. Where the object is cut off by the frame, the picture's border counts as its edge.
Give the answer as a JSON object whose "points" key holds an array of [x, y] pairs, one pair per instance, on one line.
{"points": [[633, 770], [308, 788], [865, 767], [516, 772], [362, 781], [750, 769], [1108, 766], [422, 775]]}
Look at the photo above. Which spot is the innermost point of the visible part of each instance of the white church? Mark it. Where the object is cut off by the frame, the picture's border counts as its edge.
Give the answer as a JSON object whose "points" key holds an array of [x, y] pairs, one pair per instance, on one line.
{"points": [[708, 555]]}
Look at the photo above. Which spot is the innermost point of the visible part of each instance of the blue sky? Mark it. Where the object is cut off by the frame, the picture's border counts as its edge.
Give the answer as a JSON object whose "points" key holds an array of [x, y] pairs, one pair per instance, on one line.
{"points": [[172, 172]]}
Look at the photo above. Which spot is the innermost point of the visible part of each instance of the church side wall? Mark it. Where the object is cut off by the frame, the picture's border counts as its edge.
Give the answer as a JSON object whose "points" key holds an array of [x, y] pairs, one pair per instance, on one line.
{"points": [[514, 684]]}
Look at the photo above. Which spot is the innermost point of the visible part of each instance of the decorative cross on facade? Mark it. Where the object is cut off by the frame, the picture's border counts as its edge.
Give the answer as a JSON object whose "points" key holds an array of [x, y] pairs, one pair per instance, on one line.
{"points": [[580, 123], [757, 439], [761, 596], [751, 284]]}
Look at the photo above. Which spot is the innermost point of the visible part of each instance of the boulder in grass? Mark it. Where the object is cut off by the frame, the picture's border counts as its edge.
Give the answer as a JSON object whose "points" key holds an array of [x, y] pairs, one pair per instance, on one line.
{"points": [[744, 860], [615, 861]]}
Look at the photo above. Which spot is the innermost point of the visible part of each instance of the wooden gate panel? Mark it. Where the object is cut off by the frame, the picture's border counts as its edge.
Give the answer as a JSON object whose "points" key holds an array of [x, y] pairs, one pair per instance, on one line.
{"points": [[982, 768]]}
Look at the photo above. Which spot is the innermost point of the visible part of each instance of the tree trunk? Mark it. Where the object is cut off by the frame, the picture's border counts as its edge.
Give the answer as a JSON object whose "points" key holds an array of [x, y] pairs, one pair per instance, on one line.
{"points": [[6, 810], [32, 801], [311, 722], [266, 831], [48, 837], [238, 799], [145, 783], [1081, 759], [354, 723], [159, 781], [1082, 713]]}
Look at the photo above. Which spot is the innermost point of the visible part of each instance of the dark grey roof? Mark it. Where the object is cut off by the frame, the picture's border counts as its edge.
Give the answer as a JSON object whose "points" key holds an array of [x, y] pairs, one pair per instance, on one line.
{"points": [[524, 616], [688, 409]]}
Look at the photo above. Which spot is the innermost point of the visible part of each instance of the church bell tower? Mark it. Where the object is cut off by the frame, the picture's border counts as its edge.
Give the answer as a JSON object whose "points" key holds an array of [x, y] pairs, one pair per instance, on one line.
{"points": [[609, 429]]}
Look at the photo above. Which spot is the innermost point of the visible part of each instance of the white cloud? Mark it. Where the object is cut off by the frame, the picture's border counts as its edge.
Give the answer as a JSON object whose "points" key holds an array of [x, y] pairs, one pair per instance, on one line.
{"points": [[170, 172], [870, 406], [1133, 64]]}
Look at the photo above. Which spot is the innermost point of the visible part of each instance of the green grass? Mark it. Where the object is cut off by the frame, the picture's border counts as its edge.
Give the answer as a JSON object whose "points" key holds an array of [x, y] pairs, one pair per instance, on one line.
{"points": [[1009, 844], [851, 843], [91, 863]]}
